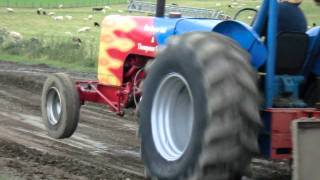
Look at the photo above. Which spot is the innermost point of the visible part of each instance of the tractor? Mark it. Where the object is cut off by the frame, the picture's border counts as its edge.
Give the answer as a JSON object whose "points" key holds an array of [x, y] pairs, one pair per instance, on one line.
{"points": [[210, 94]]}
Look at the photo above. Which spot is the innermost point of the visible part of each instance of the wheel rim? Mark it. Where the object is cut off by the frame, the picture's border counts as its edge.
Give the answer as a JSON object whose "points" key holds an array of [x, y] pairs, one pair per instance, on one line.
{"points": [[54, 106], [172, 117]]}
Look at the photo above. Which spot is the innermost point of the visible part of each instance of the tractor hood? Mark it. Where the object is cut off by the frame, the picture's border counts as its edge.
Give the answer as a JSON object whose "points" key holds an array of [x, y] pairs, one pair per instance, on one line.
{"points": [[243, 34], [181, 26], [125, 35]]}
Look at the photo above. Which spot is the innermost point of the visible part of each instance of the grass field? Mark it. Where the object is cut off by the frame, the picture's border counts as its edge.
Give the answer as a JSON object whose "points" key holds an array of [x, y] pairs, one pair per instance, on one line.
{"points": [[56, 3], [29, 24]]}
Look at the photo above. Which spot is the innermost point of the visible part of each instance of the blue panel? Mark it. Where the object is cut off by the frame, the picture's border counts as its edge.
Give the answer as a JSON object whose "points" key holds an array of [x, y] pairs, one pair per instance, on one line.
{"points": [[314, 51], [286, 84], [192, 25], [316, 68], [166, 27], [290, 86], [175, 26]]}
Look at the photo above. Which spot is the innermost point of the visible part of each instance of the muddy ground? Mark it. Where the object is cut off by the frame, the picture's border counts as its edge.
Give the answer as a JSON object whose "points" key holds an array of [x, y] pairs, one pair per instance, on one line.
{"points": [[104, 146]]}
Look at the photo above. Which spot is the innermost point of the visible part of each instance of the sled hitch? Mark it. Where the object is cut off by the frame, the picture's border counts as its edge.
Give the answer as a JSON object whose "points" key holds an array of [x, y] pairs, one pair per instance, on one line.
{"points": [[92, 91]]}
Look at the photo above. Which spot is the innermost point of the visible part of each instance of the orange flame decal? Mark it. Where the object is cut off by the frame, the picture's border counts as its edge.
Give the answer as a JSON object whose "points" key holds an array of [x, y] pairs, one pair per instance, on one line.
{"points": [[109, 40]]}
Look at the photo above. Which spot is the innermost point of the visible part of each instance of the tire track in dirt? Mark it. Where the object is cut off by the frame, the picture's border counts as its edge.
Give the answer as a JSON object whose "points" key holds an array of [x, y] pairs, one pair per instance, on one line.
{"points": [[102, 140], [104, 146]]}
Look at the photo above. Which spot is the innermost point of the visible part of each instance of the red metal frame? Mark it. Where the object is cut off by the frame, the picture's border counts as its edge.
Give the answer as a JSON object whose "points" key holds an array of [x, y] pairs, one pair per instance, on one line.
{"points": [[116, 97], [126, 44], [280, 129], [92, 91]]}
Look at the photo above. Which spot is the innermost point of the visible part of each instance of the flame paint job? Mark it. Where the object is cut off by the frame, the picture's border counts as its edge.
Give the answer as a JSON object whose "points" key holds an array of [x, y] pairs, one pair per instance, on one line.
{"points": [[122, 36]]}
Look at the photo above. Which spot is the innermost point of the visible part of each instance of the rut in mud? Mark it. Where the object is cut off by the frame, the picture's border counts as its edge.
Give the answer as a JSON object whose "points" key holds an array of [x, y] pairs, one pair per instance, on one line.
{"points": [[104, 146], [34, 164]]}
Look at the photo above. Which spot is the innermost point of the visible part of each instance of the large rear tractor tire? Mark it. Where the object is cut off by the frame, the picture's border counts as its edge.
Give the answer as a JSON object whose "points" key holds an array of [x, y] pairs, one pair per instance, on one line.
{"points": [[199, 114], [60, 106]]}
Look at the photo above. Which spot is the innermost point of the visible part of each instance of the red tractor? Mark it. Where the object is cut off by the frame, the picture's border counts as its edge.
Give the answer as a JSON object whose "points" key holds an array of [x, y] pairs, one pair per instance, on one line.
{"points": [[199, 106]]}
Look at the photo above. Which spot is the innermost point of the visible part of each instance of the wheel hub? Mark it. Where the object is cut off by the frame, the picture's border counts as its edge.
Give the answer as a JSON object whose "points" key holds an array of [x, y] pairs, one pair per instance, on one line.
{"points": [[172, 117], [54, 106]]}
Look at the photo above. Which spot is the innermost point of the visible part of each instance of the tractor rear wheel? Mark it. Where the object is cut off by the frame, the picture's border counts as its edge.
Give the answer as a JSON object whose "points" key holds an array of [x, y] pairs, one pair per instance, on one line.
{"points": [[60, 106], [199, 114]]}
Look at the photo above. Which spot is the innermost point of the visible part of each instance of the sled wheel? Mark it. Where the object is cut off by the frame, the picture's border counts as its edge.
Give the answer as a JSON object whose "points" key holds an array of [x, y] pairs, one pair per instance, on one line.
{"points": [[199, 114], [60, 106]]}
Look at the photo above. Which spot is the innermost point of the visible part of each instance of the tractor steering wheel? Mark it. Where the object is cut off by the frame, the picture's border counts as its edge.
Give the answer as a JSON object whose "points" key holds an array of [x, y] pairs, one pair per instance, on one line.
{"points": [[246, 9]]}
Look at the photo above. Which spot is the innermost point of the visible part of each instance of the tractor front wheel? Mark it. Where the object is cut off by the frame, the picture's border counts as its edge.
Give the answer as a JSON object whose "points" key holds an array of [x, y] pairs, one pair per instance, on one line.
{"points": [[199, 114], [60, 106]]}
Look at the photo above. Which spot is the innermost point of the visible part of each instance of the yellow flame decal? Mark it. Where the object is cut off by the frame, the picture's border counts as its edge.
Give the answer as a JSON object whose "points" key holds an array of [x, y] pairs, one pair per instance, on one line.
{"points": [[109, 40]]}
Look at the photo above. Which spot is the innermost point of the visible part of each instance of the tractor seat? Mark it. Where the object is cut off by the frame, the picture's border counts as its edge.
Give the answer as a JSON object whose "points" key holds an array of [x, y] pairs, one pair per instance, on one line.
{"points": [[291, 52]]}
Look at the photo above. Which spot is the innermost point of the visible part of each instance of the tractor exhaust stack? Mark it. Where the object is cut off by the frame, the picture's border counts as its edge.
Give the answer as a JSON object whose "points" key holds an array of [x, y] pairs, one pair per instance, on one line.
{"points": [[161, 6]]}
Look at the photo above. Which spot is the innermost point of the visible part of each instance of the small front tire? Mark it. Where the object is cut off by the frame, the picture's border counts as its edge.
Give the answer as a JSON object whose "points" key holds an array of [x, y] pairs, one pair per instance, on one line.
{"points": [[60, 106]]}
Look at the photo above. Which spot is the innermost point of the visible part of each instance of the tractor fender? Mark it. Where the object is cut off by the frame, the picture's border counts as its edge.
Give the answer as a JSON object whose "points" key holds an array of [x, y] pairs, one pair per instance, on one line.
{"points": [[314, 49], [247, 38]]}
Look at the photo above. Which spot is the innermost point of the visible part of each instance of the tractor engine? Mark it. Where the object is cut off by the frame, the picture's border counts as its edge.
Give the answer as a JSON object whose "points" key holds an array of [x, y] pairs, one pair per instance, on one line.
{"points": [[133, 76]]}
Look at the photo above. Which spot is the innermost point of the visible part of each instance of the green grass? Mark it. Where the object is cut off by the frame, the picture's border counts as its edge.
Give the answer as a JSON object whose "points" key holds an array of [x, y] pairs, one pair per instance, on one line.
{"points": [[312, 11], [30, 25], [54, 52], [50, 62], [56, 3]]}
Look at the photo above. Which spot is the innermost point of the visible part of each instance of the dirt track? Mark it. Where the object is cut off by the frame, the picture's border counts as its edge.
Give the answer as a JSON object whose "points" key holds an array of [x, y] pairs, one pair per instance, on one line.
{"points": [[103, 147]]}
